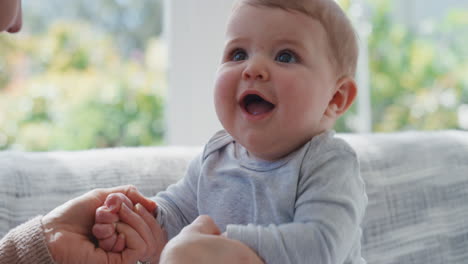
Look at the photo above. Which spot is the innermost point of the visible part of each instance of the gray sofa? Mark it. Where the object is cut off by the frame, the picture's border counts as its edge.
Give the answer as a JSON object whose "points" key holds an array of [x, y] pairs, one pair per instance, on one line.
{"points": [[417, 183]]}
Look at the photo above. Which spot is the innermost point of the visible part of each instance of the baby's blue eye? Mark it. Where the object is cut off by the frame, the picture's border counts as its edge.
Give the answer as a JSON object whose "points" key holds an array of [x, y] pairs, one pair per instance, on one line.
{"points": [[239, 55], [286, 57]]}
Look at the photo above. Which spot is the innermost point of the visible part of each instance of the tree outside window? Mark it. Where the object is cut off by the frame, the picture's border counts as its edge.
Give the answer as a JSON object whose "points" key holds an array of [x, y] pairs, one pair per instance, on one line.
{"points": [[93, 75]]}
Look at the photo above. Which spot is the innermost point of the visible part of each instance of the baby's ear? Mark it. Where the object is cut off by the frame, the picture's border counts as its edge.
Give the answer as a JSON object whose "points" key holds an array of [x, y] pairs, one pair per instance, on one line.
{"points": [[345, 93]]}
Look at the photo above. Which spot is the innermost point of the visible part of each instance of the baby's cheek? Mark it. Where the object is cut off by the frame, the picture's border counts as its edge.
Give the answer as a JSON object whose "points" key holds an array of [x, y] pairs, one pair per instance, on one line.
{"points": [[225, 85]]}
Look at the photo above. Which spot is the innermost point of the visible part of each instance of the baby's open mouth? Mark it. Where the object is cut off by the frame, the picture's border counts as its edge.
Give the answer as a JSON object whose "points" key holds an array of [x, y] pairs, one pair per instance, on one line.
{"points": [[256, 105]]}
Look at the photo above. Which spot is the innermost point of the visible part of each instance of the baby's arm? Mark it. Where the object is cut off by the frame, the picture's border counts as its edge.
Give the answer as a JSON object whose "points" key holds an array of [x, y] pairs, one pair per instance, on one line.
{"points": [[177, 207], [329, 208], [178, 204]]}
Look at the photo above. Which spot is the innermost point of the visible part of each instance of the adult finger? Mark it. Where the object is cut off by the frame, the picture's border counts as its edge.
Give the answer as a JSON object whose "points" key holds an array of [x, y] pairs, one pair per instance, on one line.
{"points": [[135, 245], [136, 222], [203, 225], [159, 235]]}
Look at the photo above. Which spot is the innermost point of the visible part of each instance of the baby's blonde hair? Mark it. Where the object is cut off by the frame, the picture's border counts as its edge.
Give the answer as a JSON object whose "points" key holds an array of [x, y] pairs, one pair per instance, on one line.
{"points": [[341, 35]]}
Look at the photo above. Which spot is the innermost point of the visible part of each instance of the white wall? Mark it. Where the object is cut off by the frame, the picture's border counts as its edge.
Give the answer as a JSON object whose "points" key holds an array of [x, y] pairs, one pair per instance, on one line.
{"points": [[415, 12], [194, 33]]}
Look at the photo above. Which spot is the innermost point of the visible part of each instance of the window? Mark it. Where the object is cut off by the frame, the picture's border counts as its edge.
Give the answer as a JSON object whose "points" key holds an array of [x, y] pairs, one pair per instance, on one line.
{"points": [[105, 73], [83, 74]]}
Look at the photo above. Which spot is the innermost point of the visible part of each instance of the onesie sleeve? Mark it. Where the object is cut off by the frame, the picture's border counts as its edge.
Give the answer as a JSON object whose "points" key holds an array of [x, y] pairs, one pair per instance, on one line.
{"points": [[330, 205], [177, 206]]}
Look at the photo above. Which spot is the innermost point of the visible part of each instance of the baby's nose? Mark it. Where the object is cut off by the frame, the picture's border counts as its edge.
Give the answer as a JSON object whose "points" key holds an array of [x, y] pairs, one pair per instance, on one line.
{"points": [[256, 70]]}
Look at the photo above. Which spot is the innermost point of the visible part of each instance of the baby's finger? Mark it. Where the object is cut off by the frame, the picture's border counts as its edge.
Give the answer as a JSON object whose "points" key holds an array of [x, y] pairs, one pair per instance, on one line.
{"points": [[158, 233], [108, 243], [137, 198], [115, 200], [103, 231], [105, 216], [119, 245], [138, 224], [126, 200]]}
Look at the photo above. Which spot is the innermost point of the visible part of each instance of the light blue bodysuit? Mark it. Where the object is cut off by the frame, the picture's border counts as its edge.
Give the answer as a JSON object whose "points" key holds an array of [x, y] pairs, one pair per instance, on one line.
{"points": [[304, 208]]}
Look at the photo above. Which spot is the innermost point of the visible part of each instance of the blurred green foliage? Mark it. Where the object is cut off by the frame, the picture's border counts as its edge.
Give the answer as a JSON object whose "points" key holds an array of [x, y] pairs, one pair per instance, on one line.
{"points": [[70, 89], [418, 80], [75, 87], [131, 23]]}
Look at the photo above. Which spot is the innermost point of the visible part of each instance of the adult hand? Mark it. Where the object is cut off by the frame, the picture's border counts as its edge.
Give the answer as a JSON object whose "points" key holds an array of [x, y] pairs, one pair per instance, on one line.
{"points": [[67, 229], [104, 229], [116, 210], [201, 242]]}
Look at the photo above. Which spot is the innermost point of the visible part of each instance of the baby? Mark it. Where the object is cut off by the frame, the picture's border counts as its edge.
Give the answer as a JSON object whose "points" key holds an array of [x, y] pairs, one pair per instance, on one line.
{"points": [[276, 179]]}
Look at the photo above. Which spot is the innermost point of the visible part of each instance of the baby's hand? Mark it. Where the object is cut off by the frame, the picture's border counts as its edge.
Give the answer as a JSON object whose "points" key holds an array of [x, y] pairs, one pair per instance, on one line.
{"points": [[145, 228], [106, 219], [118, 210]]}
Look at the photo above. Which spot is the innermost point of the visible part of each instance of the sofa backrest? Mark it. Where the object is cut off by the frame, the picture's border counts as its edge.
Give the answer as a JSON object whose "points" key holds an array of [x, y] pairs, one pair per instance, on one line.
{"points": [[417, 183]]}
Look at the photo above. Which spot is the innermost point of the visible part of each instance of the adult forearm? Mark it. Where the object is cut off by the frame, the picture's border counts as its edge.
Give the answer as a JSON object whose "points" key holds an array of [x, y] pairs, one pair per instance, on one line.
{"points": [[25, 244]]}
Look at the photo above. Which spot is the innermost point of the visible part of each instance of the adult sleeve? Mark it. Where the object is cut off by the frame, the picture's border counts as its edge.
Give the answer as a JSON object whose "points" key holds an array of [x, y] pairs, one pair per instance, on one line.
{"points": [[330, 205], [177, 206], [25, 244]]}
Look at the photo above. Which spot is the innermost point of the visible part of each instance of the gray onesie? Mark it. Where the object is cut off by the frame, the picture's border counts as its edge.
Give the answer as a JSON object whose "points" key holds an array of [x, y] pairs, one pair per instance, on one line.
{"points": [[305, 208]]}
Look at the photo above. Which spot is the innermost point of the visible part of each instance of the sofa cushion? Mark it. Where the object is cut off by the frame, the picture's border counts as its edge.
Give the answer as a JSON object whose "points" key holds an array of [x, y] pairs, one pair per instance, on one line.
{"points": [[417, 183]]}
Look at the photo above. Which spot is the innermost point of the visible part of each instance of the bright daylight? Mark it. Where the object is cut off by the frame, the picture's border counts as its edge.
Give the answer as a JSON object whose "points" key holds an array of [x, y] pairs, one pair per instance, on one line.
{"points": [[95, 74], [234, 131]]}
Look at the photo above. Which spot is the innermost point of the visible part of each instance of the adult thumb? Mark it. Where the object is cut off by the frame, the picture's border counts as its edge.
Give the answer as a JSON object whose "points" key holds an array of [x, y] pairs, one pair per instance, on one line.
{"points": [[203, 225]]}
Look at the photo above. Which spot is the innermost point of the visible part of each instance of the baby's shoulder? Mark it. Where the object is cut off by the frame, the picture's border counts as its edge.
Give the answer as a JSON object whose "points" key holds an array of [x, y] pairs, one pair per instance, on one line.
{"points": [[328, 142], [328, 153], [218, 141]]}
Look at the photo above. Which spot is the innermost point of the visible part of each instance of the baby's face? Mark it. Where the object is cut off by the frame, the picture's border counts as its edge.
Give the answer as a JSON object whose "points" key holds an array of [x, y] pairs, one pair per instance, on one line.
{"points": [[275, 81]]}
